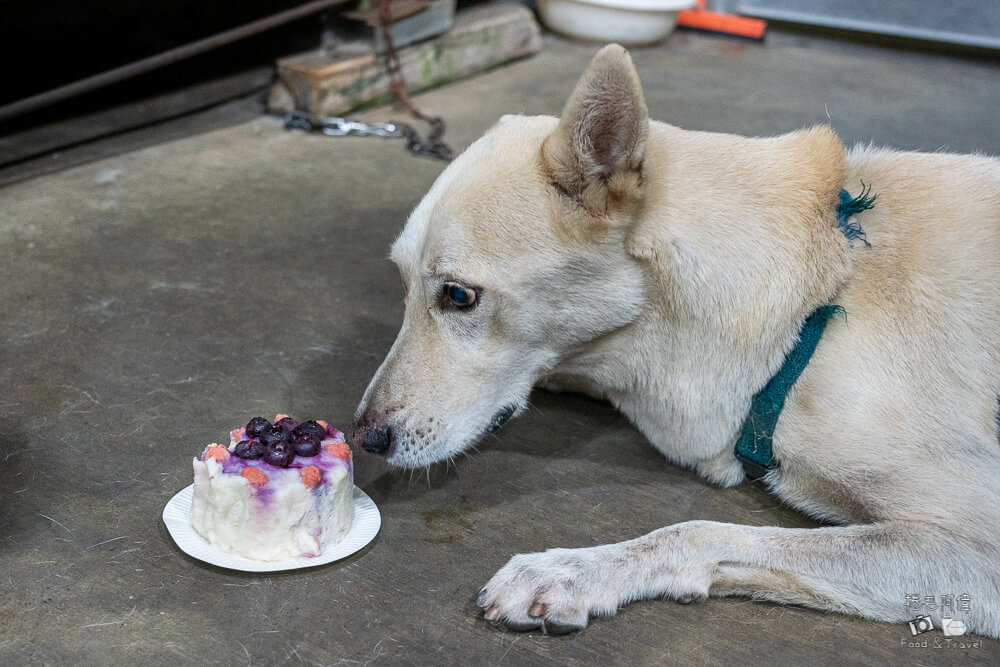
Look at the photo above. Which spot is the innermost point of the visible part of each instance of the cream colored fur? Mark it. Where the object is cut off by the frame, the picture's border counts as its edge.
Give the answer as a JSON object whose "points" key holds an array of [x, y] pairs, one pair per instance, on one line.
{"points": [[669, 272]]}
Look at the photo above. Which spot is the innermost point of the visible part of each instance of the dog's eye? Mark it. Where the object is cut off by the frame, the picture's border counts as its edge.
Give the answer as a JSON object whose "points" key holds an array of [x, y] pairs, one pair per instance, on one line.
{"points": [[459, 296]]}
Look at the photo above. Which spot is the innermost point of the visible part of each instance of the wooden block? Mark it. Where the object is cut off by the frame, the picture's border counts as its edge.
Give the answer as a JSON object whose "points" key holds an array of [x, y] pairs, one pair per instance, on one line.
{"points": [[482, 37], [413, 21]]}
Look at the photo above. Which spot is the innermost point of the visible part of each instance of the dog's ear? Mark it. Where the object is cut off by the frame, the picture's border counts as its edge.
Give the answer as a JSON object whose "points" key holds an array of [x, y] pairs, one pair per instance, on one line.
{"points": [[596, 152]]}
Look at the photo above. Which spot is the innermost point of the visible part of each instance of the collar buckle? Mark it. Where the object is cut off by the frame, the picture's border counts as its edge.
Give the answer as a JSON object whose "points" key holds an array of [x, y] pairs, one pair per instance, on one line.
{"points": [[755, 469]]}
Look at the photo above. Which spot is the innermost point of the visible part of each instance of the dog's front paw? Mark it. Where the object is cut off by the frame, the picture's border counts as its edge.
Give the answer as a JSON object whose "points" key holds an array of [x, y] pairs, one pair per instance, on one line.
{"points": [[557, 590]]}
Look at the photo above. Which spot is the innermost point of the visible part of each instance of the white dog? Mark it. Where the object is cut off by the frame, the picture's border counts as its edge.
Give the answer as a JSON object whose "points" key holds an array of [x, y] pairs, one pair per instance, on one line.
{"points": [[671, 272]]}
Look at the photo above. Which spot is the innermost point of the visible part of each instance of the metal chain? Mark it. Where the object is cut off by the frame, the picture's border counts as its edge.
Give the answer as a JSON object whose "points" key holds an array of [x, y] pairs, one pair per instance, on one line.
{"points": [[434, 146], [333, 126]]}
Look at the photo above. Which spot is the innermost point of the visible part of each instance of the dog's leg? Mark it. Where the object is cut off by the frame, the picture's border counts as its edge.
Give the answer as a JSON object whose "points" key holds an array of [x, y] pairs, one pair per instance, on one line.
{"points": [[866, 570]]}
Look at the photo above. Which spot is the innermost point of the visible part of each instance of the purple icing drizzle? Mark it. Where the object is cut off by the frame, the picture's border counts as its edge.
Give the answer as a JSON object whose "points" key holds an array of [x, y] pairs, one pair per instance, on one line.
{"points": [[234, 465]]}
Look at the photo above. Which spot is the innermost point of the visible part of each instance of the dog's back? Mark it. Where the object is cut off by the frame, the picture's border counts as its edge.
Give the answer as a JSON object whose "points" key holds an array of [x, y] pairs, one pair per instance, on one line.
{"points": [[913, 374]]}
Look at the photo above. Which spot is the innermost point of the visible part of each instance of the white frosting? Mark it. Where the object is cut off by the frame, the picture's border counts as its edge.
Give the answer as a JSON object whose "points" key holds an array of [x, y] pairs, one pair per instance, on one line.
{"points": [[281, 520]]}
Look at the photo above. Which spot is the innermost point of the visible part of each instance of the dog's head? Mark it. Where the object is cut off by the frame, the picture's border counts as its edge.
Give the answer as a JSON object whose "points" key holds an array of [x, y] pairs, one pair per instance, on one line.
{"points": [[513, 260]]}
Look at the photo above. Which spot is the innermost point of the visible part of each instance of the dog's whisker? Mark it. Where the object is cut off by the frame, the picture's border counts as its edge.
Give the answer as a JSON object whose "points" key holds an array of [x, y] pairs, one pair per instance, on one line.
{"points": [[532, 406]]}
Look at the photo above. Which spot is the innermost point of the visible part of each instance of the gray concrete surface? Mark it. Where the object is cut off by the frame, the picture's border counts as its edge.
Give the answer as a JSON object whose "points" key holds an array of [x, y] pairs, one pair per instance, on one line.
{"points": [[152, 300]]}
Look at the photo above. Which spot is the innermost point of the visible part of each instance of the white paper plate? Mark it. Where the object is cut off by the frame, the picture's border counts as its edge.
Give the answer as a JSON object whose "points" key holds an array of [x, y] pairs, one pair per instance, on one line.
{"points": [[177, 517]]}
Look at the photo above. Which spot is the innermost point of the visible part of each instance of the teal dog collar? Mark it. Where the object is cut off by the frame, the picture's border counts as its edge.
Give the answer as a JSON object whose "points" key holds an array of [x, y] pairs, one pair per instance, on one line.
{"points": [[754, 447]]}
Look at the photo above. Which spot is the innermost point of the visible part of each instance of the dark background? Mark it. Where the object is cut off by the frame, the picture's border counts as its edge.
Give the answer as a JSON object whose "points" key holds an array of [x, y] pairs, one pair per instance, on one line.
{"points": [[49, 43]]}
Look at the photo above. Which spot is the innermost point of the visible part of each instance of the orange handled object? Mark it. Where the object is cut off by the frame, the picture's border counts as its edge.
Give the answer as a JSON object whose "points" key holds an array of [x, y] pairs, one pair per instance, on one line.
{"points": [[729, 24]]}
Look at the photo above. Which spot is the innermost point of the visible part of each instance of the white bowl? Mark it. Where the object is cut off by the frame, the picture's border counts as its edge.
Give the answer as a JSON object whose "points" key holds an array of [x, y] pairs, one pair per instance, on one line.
{"points": [[628, 22]]}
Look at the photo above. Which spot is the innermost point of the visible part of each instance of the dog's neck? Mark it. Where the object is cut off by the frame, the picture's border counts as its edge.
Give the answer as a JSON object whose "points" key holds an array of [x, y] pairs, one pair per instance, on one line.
{"points": [[740, 243]]}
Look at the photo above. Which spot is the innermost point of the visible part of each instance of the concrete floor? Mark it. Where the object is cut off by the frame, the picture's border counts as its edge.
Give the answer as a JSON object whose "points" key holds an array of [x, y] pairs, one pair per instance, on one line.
{"points": [[153, 300]]}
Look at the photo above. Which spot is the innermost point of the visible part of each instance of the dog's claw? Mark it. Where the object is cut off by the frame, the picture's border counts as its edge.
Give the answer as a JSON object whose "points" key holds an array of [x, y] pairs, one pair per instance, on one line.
{"points": [[481, 598], [538, 609], [688, 598]]}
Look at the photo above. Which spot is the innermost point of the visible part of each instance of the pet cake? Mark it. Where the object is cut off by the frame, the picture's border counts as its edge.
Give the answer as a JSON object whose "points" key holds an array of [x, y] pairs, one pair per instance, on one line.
{"points": [[279, 490]]}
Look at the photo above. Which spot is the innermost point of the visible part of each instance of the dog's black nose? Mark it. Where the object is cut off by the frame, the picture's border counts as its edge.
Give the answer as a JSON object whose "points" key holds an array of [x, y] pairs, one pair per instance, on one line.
{"points": [[372, 437]]}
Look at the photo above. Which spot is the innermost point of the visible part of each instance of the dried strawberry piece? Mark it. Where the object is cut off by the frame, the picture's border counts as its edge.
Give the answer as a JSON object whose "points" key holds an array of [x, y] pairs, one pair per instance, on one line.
{"points": [[217, 452], [254, 476], [338, 449], [311, 476]]}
